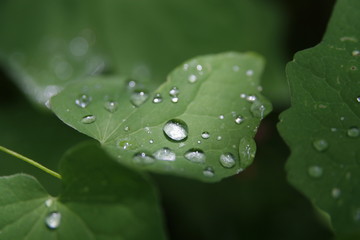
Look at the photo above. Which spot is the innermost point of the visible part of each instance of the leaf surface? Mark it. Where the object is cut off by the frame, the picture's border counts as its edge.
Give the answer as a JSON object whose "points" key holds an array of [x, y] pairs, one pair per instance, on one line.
{"points": [[322, 126], [104, 201], [200, 123]]}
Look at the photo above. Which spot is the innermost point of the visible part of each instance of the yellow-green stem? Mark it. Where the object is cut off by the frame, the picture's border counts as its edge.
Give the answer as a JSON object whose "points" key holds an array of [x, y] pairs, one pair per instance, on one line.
{"points": [[32, 162]]}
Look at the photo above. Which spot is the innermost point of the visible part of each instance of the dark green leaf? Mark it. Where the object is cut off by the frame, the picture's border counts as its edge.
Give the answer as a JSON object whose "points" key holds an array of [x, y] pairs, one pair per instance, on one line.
{"points": [[59, 42], [210, 106], [99, 201], [322, 127]]}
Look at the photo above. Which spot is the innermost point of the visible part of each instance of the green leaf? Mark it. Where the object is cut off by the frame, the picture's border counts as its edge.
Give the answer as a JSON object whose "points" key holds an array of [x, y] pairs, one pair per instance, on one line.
{"points": [[322, 126], [210, 106], [60, 42], [105, 201]]}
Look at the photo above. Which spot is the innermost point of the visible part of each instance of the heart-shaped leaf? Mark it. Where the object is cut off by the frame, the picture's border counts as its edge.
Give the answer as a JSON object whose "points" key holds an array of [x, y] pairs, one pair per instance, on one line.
{"points": [[98, 201], [200, 123]]}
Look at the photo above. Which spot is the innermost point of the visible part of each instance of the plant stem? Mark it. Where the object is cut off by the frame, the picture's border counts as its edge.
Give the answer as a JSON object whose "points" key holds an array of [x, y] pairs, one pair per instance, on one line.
{"points": [[32, 162]]}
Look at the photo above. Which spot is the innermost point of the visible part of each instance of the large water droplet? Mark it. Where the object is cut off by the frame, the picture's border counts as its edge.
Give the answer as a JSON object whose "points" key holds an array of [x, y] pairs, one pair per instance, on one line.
{"points": [[353, 132], [247, 150], [315, 171], [320, 145], [53, 220], [176, 130], [239, 119], [195, 155], [157, 98], [88, 119], [227, 160], [205, 135], [138, 97], [143, 158], [83, 101], [111, 106], [335, 192], [209, 172], [165, 154]]}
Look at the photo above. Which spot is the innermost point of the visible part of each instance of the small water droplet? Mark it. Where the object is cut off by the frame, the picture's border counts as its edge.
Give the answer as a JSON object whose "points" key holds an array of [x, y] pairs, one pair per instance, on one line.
{"points": [[356, 53], [249, 72], [358, 99], [111, 106], [251, 98], [49, 202], [209, 172], [174, 99], [227, 160], [147, 130], [126, 129], [157, 98], [335, 192], [151, 141], [195, 155], [333, 129], [353, 132], [138, 97], [124, 144], [221, 117], [218, 138], [342, 118], [236, 68], [243, 95], [199, 142], [239, 119], [192, 78], [88, 119], [199, 67], [205, 135], [176, 130], [174, 91], [315, 171], [143, 158], [132, 84], [53, 220], [165, 154], [320, 145], [79, 46], [83, 101]]}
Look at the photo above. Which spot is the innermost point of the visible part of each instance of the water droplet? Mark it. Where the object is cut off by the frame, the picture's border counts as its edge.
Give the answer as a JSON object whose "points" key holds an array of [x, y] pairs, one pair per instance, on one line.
{"points": [[126, 129], [205, 135], [53, 220], [147, 130], [165, 154], [333, 129], [124, 144], [176, 130], [83, 101], [320, 145], [221, 117], [157, 98], [315, 171], [239, 119], [335, 192], [151, 141], [208, 172], [138, 97], [356, 53], [247, 150], [199, 142], [131, 84], [174, 91], [251, 98], [236, 68], [195, 155], [353, 132], [88, 119], [111, 106], [218, 138], [199, 67], [174, 99], [243, 95], [143, 158], [249, 72], [257, 109], [192, 78], [227, 160], [358, 99], [49, 202], [79, 46]]}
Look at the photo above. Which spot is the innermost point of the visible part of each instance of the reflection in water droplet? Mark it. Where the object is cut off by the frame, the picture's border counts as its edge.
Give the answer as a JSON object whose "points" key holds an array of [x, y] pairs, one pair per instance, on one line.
{"points": [[83, 101], [195, 155], [143, 158], [353, 132], [157, 98], [138, 97], [165, 154], [205, 135], [53, 220], [111, 106], [208, 172], [227, 160], [88, 119], [335, 192], [239, 119], [315, 171], [176, 130], [320, 145]]}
